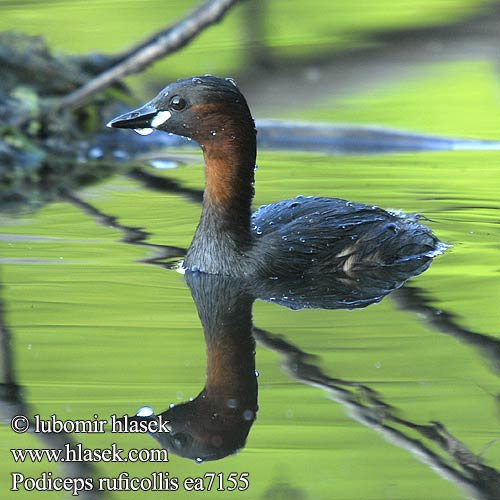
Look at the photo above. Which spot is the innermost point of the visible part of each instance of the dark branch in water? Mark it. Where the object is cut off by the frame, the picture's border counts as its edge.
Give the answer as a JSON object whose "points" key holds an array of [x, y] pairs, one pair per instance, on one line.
{"points": [[6, 358], [415, 300], [154, 48], [165, 184], [452, 460], [131, 235]]}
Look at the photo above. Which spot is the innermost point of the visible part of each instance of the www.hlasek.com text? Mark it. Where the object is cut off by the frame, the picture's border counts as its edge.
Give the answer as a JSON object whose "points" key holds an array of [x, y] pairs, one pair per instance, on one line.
{"points": [[78, 453]]}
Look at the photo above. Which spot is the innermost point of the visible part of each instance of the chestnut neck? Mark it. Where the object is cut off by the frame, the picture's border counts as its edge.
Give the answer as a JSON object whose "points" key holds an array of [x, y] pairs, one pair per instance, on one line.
{"points": [[229, 151]]}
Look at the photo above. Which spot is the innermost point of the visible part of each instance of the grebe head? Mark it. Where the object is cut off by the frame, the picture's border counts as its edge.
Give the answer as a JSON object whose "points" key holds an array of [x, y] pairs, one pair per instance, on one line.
{"points": [[199, 108]]}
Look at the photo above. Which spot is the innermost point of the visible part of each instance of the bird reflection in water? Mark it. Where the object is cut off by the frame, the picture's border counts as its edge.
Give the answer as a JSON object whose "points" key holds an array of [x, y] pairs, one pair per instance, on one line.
{"points": [[216, 423]]}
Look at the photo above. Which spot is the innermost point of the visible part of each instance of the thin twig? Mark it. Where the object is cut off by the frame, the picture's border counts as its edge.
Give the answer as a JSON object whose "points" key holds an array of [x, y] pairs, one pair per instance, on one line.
{"points": [[158, 46]]}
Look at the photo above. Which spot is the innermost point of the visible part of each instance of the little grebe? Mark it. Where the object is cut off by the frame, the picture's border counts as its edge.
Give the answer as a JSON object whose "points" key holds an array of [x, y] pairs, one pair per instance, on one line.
{"points": [[301, 236]]}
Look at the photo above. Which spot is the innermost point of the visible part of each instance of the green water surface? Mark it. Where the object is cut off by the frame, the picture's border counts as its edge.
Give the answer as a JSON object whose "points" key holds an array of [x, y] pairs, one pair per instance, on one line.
{"points": [[96, 331]]}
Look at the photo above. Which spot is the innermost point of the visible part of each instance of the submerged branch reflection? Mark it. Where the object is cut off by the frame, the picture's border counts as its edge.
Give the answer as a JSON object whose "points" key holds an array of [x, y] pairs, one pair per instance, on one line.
{"points": [[131, 235], [415, 300], [456, 463]]}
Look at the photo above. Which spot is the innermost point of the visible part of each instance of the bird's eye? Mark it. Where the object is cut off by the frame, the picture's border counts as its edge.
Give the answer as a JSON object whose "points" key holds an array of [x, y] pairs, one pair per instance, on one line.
{"points": [[177, 103]]}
